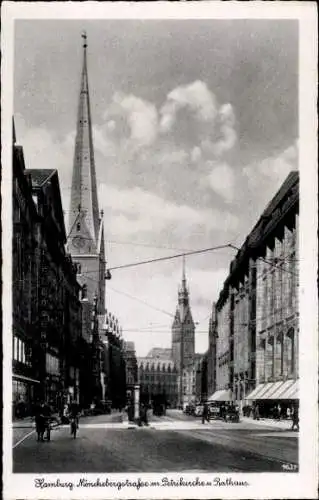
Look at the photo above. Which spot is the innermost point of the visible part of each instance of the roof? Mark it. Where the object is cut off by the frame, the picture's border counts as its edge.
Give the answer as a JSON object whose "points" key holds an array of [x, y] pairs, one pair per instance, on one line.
{"points": [[160, 353], [129, 346], [40, 176], [153, 361], [255, 238]]}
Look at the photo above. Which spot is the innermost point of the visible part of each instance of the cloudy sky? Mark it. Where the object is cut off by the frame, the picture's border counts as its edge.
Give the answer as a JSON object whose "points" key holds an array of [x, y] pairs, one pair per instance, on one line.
{"points": [[195, 129]]}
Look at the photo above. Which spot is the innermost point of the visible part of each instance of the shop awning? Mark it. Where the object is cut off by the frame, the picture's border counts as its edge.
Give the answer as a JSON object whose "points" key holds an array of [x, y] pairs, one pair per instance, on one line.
{"points": [[273, 387], [287, 389], [259, 391], [281, 390], [221, 395], [292, 392], [27, 379]]}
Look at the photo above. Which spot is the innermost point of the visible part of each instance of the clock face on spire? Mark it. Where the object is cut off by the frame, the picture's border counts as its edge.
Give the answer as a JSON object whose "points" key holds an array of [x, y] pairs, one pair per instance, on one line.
{"points": [[78, 242]]}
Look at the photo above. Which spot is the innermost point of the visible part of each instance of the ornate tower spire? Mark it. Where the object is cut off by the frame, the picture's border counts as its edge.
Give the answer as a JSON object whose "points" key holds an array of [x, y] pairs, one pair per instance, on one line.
{"points": [[183, 292], [84, 209]]}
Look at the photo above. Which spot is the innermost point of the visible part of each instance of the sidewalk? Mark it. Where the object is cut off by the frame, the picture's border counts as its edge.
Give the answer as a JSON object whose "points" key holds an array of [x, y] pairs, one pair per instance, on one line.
{"points": [[269, 422], [114, 417]]}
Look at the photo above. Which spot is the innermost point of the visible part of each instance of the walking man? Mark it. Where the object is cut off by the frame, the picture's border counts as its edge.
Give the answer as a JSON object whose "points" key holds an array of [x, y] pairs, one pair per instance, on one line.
{"points": [[205, 414], [295, 419]]}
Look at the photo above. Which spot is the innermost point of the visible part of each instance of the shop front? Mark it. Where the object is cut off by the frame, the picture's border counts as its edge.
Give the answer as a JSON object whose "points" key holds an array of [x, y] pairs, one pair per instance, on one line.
{"points": [[24, 393], [275, 399]]}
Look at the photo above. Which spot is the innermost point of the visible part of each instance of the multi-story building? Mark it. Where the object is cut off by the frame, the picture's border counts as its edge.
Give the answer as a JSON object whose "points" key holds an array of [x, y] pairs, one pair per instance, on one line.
{"points": [[277, 310], [193, 381], [112, 360], [211, 353], [157, 376], [183, 335], [59, 310], [46, 306], [26, 384], [257, 311]]}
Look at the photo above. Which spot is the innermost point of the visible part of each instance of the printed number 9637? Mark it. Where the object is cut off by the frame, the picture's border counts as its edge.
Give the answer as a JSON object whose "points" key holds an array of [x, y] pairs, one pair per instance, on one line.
{"points": [[290, 467]]}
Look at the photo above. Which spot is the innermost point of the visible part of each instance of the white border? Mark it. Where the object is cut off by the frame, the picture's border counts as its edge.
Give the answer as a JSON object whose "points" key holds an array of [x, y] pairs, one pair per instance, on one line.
{"points": [[301, 485]]}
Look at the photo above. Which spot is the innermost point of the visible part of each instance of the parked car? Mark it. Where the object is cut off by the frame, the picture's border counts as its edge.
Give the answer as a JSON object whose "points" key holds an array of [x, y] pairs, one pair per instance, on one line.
{"points": [[214, 411]]}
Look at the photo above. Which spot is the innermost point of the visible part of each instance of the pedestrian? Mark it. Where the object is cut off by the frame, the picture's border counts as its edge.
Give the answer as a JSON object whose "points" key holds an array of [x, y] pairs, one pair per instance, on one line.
{"points": [[205, 414], [256, 413], [295, 419], [288, 414]]}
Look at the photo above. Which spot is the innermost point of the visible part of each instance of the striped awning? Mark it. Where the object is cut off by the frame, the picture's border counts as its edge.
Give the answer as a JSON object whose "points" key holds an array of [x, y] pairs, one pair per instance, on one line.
{"points": [[281, 390], [27, 379], [287, 389], [221, 395], [292, 392], [259, 391], [272, 389]]}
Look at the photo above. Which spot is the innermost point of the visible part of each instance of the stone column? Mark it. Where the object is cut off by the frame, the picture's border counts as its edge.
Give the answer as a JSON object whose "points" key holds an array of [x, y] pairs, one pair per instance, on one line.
{"points": [[270, 356], [285, 341], [278, 351], [260, 361]]}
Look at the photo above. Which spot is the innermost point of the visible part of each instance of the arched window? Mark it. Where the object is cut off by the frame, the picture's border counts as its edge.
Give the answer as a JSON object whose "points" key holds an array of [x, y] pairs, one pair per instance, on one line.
{"points": [[78, 226]]}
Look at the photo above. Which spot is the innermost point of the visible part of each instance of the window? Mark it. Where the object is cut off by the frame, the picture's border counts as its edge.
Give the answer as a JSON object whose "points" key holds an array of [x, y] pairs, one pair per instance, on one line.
{"points": [[84, 292], [22, 352], [78, 267], [78, 226], [14, 347]]}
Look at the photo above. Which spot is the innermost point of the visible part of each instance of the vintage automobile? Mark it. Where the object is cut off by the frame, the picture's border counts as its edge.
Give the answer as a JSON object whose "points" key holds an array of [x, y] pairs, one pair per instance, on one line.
{"points": [[214, 411]]}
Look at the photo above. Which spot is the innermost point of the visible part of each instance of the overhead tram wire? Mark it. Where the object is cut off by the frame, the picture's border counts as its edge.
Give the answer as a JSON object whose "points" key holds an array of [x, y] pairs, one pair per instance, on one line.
{"points": [[161, 259], [170, 257], [269, 262], [141, 301]]}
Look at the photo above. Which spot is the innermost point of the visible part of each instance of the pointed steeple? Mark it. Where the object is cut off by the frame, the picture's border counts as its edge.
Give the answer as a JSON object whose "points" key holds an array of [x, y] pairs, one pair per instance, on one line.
{"points": [[183, 292], [84, 209]]}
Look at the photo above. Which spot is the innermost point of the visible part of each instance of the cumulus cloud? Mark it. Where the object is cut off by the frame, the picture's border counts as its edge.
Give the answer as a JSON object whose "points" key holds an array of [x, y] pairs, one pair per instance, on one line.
{"points": [[213, 131], [139, 115], [196, 97]]}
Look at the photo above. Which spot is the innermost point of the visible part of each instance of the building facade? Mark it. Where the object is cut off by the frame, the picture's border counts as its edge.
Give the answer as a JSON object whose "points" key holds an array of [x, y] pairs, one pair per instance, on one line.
{"points": [[59, 310], [257, 310], [211, 357], [46, 308], [223, 347], [157, 376], [112, 355], [194, 376], [26, 384]]}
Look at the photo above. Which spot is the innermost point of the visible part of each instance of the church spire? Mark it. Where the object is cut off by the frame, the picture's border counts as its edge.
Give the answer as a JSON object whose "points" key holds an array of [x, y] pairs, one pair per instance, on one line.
{"points": [[84, 209], [183, 292]]}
